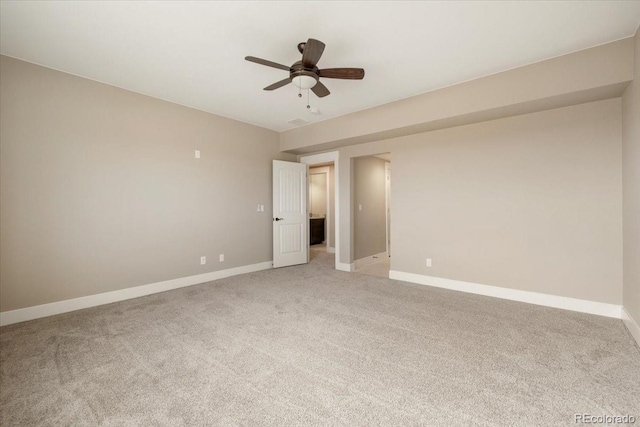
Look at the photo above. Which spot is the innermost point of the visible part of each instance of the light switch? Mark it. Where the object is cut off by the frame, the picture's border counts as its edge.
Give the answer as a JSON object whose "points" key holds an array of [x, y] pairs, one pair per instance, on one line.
{"points": [[197, 154]]}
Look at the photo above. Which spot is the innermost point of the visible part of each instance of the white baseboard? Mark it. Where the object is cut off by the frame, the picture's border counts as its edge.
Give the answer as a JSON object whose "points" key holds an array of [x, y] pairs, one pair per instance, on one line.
{"points": [[631, 325], [359, 263], [331, 250], [44, 310], [584, 306], [344, 266]]}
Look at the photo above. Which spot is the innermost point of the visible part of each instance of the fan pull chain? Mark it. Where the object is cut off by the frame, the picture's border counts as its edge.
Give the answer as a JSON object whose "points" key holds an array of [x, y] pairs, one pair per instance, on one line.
{"points": [[308, 106], [299, 92]]}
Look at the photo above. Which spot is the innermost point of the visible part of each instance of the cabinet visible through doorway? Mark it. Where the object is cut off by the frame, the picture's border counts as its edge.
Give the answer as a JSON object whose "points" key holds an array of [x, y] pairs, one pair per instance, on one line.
{"points": [[316, 230]]}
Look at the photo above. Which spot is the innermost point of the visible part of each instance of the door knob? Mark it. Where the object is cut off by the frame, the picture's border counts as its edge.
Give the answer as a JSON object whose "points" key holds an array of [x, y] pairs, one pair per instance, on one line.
{"points": [[278, 219]]}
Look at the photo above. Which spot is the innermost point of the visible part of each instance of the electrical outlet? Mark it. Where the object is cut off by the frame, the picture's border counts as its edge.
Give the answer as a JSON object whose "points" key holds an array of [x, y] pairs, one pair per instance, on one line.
{"points": [[221, 257], [197, 154], [428, 262], [203, 260]]}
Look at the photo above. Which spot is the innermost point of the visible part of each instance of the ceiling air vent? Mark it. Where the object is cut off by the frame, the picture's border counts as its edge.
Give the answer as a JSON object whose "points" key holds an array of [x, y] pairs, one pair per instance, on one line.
{"points": [[298, 122]]}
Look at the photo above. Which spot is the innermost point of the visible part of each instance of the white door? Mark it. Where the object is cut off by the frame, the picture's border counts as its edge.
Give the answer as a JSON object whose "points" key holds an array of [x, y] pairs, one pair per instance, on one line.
{"points": [[290, 219]]}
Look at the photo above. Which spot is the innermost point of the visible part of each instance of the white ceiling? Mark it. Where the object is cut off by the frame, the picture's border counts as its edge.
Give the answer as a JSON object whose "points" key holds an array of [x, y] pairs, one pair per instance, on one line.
{"points": [[192, 53]]}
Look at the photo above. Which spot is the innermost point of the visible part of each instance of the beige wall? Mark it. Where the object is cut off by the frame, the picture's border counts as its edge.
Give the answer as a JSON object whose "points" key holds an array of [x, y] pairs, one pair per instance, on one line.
{"points": [[332, 211], [370, 235], [100, 189], [330, 201], [631, 190], [532, 202], [318, 192], [598, 73]]}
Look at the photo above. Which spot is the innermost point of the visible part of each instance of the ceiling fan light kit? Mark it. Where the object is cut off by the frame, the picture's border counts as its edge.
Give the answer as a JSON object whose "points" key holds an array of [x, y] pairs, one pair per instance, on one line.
{"points": [[304, 81], [305, 74]]}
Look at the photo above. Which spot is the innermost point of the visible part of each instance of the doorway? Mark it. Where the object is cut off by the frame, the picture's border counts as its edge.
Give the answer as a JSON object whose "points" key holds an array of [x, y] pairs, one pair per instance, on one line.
{"points": [[321, 201], [326, 165], [372, 214]]}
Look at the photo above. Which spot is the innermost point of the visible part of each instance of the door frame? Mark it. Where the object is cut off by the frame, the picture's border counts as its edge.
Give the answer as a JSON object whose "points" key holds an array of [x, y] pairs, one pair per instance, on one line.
{"points": [[323, 170], [329, 157], [387, 200]]}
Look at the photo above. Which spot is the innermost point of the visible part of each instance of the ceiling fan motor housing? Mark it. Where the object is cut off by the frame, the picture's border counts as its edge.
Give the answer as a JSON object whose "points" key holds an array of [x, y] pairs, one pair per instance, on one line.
{"points": [[301, 76]]}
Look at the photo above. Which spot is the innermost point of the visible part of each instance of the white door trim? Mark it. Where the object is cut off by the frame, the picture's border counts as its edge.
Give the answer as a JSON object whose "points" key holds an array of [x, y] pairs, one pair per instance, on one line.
{"points": [[324, 170], [332, 156]]}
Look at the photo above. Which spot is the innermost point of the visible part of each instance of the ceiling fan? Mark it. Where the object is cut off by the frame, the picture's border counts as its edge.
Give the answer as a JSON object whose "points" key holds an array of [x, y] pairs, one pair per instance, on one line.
{"points": [[305, 74]]}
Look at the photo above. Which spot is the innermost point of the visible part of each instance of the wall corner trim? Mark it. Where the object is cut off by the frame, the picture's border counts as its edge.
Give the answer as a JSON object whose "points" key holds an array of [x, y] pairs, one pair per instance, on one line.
{"points": [[631, 325], [344, 267], [59, 307], [555, 301]]}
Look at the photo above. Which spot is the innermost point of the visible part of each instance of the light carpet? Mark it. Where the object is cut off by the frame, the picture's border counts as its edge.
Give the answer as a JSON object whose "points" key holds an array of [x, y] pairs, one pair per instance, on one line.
{"points": [[378, 268], [308, 345]]}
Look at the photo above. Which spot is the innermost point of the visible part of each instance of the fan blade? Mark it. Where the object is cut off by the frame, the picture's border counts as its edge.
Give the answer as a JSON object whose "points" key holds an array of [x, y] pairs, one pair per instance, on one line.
{"points": [[278, 84], [320, 90], [342, 73], [312, 52], [267, 63]]}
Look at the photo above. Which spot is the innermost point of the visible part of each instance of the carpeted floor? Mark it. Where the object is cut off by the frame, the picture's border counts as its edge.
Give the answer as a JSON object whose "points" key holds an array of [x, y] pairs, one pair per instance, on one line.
{"points": [[308, 345], [378, 268]]}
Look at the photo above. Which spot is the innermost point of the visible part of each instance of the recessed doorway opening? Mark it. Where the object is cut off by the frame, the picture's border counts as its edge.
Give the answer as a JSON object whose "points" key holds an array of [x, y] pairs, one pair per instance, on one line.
{"points": [[323, 203], [372, 214]]}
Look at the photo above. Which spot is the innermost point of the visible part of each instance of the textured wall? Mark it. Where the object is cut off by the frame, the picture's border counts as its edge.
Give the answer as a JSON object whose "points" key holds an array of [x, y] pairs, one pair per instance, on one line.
{"points": [[532, 202], [318, 192], [370, 235], [631, 189], [100, 189], [330, 201], [332, 213], [593, 74]]}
